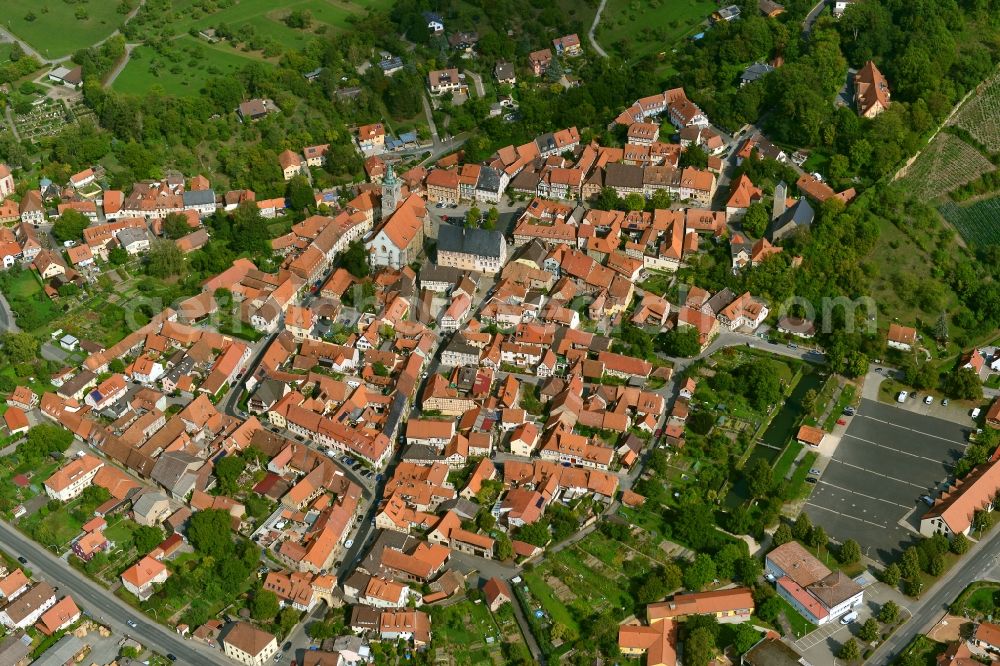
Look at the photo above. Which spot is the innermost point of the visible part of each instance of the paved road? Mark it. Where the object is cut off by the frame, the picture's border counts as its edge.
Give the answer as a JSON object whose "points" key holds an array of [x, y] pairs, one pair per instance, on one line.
{"points": [[7, 321], [976, 564], [428, 112], [811, 17], [103, 605], [593, 27], [121, 65]]}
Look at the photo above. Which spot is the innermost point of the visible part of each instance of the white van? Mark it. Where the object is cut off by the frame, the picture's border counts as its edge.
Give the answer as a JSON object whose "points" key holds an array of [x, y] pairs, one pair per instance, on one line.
{"points": [[975, 413], [850, 617]]}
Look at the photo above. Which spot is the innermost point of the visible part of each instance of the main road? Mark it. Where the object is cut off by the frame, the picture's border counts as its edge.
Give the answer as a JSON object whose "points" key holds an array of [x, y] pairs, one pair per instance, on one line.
{"points": [[102, 605], [980, 562]]}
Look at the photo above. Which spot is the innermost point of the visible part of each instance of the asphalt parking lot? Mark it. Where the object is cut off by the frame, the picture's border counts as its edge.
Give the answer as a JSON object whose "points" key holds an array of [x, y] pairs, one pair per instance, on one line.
{"points": [[871, 489]]}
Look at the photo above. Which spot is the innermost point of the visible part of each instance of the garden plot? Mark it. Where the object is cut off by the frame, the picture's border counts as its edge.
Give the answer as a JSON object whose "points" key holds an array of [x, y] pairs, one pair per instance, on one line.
{"points": [[946, 163], [980, 116], [978, 223]]}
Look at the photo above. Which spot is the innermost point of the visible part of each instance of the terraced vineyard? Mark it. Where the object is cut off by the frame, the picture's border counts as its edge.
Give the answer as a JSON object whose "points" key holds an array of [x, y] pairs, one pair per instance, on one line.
{"points": [[979, 223], [980, 116], [946, 163]]}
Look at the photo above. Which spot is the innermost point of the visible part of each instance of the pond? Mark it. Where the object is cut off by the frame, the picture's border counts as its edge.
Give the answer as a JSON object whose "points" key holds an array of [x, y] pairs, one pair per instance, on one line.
{"points": [[784, 424]]}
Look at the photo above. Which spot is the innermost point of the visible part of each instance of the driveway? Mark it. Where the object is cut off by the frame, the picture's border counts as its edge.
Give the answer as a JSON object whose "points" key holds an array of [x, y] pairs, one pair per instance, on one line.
{"points": [[7, 322]]}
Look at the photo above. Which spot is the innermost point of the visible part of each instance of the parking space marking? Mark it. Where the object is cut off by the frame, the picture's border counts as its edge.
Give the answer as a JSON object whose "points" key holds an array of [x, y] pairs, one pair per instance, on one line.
{"points": [[886, 476], [819, 635], [919, 432], [847, 515], [890, 448], [855, 492]]}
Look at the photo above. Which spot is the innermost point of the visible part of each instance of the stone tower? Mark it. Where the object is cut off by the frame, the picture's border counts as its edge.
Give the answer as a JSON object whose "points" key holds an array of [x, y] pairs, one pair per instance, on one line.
{"points": [[390, 192]]}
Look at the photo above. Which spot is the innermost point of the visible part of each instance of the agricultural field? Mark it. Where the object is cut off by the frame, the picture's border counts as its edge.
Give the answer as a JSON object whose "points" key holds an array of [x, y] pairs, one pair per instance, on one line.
{"points": [[57, 29], [980, 116], [642, 27], [180, 68], [979, 222], [946, 163]]}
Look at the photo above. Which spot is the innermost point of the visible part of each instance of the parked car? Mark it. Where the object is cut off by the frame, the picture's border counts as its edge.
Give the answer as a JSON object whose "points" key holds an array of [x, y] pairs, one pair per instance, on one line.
{"points": [[850, 411], [815, 471], [928, 400], [850, 617], [841, 422], [944, 402], [901, 397], [348, 544], [22, 560], [811, 479]]}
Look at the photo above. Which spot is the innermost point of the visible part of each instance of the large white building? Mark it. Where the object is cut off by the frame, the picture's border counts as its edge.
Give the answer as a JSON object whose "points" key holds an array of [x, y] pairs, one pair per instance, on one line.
{"points": [[819, 595]]}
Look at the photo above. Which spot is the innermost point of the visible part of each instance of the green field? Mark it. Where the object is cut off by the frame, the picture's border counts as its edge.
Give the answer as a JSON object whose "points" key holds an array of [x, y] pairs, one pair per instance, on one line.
{"points": [[266, 17], [180, 71], [54, 31], [646, 27], [979, 223]]}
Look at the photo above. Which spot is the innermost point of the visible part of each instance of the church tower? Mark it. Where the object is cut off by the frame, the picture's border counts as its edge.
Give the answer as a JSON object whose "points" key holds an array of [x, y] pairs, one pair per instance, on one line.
{"points": [[390, 192]]}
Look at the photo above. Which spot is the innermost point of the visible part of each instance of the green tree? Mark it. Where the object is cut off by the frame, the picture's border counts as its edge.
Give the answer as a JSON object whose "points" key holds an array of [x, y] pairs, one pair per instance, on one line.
{"points": [[891, 575], [299, 193], [164, 259], [355, 260], [504, 548], [694, 156], [20, 347], [818, 538], [146, 538], [679, 341], [850, 552], [744, 638], [749, 569], [910, 564], [935, 566], [960, 544], [914, 587], [175, 225], [117, 256], [264, 606], [43, 439], [70, 226], [659, 201], [850, 651], [756, 220], [210, 532], [802, 527], [227, 471], [809, 401], [492, 217], [699, 648], [699, 573], [783, 534], [635, 201], [889, 612], [964, 384], [869, 630], [759, 479], [116, 365], [472, 216]]}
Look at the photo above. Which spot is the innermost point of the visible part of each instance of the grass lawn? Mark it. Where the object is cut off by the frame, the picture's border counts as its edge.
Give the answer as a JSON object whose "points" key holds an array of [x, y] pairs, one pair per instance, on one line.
{"points": [[925, 649], [787, 459], [25, 285], [980, 596], [266, 17], [53, 29], [554, 608], [800, 625], [797, 487], [653, 26], [183, 71]]}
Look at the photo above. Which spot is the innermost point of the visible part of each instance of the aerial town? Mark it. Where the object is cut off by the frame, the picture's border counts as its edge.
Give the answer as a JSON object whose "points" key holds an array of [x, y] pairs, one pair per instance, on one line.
{"points": [[401, 339]]}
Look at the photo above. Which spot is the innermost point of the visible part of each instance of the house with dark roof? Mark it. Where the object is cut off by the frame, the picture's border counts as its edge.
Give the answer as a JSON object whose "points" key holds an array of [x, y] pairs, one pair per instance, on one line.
{"points": [[471, 249], [787, 219]]}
